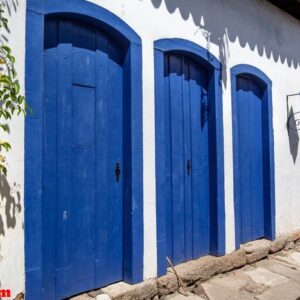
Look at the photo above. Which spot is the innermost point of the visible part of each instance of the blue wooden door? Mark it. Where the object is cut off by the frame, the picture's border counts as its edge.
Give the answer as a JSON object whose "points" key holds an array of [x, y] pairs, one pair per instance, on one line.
{"points": [[82, 159], [251, 158], [187, 166]]}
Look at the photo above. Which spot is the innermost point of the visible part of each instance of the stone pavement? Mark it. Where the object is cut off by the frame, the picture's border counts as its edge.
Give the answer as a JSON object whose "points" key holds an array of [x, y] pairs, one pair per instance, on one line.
{"points": [[274, 278], [260, 269]]}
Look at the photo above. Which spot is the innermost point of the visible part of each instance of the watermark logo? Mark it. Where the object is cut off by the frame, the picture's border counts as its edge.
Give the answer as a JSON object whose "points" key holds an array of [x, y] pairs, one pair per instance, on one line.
{"points": [[5, 293]]}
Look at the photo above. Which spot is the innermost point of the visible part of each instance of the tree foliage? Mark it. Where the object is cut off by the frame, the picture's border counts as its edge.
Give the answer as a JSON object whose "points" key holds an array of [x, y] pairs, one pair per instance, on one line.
{"points": [[12, 102]]}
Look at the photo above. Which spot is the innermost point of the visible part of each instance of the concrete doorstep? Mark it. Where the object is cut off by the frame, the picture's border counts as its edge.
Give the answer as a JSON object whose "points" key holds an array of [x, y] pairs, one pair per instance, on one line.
{"points": [[199, 281]]}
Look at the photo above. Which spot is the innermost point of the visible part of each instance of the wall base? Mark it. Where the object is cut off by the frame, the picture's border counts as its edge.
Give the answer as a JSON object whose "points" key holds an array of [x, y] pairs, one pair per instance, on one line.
{"points": [[194, 271]]}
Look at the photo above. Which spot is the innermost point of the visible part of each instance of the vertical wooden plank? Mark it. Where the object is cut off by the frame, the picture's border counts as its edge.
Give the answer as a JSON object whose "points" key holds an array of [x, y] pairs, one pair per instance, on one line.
{"points": [[236, 155], [178, 165], [162, 160], [216, 164], [200, 156], [244, 157], [49, 172], [84, 67], [187, 159], [137, 224], [133, 165], [168, 159], [33, 153], [205, 197], [102, 201], [64, 170], [83, 186], [114, 157], [256, 150]]}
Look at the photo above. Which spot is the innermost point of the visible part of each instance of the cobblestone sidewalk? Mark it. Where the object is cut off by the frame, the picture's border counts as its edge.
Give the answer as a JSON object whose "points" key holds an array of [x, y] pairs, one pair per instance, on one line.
{"points": [[274, 278]]}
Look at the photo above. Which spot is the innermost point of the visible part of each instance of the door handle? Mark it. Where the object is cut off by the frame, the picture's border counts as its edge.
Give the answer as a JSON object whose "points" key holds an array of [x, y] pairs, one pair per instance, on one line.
{"points": [[117, 172], [188, 167]]}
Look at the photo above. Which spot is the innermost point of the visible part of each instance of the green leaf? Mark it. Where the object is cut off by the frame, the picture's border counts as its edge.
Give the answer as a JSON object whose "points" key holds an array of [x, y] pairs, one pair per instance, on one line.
{"points": [[5, 145], [3, 169], [11, 101], [4, 127]]}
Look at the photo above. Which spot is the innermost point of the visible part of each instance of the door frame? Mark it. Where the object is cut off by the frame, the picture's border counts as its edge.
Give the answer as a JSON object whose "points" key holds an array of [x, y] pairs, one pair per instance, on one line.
{"points": [[269, 211], [213, 67], [36, 12]]}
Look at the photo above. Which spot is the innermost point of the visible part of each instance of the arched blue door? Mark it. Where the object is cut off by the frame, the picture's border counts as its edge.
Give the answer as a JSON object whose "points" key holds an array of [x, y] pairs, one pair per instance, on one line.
{"points": [[250, 126], [187, 165], [82, 158], [253, 154]]}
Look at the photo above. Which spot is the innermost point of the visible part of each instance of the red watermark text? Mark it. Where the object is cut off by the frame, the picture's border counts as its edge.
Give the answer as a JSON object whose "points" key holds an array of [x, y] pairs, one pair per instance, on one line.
{"points": [[5, 293]]}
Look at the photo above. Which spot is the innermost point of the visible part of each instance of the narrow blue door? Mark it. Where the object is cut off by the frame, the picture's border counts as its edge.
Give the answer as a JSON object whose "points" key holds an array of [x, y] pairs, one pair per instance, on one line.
{"points": [[82, 159], [187, 166], [250, 116]]}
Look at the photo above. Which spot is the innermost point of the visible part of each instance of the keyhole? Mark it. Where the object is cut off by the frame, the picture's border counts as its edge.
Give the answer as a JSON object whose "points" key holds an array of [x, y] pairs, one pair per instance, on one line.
{"points": [[188, 167], [117, 172]]}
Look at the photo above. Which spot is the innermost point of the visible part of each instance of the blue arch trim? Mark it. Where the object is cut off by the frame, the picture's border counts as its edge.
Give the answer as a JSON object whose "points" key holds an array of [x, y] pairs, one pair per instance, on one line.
{"points": [[264, 80], [251, 71], [216, 127], [133, 210], [192, 49]]}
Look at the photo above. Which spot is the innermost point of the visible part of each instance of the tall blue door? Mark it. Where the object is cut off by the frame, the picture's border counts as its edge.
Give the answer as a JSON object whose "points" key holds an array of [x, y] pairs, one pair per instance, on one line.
{"points": [[82, 159], [187, 165], [250, 144]]}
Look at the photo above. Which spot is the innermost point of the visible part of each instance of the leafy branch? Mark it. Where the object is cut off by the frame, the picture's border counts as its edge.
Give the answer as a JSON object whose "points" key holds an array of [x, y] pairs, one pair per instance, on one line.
{"points": [[12, 102]]}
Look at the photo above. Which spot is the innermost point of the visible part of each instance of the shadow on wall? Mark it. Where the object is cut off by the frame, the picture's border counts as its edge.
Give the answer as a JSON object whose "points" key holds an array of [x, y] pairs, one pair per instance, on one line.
{"points": [[8, 6], [10, 199], [221, 22], [293, 128], [293, 136]]}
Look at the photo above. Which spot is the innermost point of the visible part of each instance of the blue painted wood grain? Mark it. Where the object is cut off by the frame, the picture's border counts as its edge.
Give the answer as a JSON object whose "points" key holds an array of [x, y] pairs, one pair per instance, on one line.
{"points": [[162, 161], [76, 128], [83, 155], [256, 152], [253, 153], [33, 157], [187, 117], [212, 237], [188, 138], [64, 169], [245, 158], [200, 160], [250, 129], [49, 172], [102, 168], [177, 159]]}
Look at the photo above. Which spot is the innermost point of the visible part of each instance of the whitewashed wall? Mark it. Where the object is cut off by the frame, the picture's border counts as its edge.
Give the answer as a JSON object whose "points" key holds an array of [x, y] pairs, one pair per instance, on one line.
{"points": [[12, 188], [250, 32]]}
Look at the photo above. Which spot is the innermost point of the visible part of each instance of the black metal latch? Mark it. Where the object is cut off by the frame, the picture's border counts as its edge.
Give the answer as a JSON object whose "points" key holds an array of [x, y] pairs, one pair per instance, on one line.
{"points": [[117, 172], [188, 167]]}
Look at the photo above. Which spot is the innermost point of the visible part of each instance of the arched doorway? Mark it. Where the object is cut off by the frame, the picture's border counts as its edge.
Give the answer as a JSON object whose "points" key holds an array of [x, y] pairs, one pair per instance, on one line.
{"points": [[83, 155], [83, 199], [189, 153], [253, 154]]}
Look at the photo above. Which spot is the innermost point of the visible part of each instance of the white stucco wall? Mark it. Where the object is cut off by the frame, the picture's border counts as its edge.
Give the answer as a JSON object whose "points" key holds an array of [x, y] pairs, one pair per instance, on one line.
{"points": [[249, 32], [11, 190]]}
